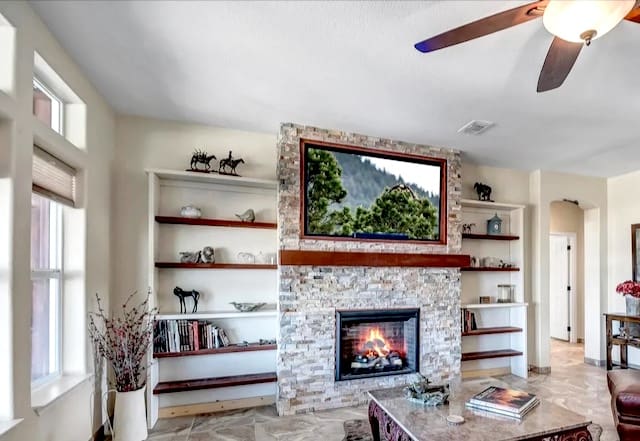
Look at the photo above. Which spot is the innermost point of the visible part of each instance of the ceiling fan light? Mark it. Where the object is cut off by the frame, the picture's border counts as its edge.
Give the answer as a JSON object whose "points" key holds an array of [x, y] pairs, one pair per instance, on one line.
{"points": [[571, 20]]}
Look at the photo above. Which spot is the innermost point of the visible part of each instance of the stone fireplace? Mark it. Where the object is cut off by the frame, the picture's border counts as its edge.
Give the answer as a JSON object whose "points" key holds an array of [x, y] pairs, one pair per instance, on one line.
{"points": [[315, 297], [376, 343]]}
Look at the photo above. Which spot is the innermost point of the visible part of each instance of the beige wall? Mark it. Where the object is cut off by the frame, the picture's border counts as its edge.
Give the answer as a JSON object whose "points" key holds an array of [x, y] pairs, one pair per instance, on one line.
{"points": [[624, 210], [143, 143], [566, 217], [69, 418]]}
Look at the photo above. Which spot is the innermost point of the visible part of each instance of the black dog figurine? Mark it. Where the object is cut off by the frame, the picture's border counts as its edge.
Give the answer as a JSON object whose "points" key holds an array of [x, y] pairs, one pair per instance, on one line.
{"points": [[181, 294]]}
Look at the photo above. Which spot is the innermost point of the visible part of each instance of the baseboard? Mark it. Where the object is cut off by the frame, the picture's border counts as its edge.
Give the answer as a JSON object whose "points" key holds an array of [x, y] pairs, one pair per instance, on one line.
{"points": [[594, 362], [217, 406], [495, 372], [541, 370]]}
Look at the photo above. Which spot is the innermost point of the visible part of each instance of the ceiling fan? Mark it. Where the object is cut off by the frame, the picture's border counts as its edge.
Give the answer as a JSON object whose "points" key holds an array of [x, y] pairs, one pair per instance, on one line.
{"points": [[574, 23]]}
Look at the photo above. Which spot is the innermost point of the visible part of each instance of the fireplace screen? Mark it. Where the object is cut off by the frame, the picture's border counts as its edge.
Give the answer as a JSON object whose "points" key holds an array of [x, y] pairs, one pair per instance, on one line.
{"points": [[376, 342]]}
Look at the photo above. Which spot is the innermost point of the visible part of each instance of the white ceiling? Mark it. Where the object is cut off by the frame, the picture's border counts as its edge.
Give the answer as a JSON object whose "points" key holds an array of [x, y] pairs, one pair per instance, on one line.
{"points": [[352, 66]]}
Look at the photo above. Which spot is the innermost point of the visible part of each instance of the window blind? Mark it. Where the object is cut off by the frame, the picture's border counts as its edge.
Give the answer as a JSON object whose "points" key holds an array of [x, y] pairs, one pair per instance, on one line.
{"points": [[52, 178]]}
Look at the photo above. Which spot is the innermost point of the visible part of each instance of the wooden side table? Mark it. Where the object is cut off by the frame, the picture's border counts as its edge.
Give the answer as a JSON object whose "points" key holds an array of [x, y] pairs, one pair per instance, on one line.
{"points": [[623, 342]]}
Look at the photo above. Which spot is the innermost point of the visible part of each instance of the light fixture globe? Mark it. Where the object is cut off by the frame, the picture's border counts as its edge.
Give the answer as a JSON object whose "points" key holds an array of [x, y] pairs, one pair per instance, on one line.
{"points": [[584, 20]]}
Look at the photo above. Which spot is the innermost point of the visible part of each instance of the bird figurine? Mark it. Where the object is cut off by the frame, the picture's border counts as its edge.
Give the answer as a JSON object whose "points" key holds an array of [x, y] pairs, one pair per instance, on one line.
{"points": [[247, 216]]}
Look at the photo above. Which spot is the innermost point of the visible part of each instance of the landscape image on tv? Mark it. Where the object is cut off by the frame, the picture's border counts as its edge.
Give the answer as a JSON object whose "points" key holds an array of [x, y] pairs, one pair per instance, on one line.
{"points": [[349, 193]]}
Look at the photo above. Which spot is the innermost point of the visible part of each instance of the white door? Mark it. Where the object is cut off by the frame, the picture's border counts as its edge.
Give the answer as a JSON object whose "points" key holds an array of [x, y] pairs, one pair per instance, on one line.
{"points": [[559, 289]]}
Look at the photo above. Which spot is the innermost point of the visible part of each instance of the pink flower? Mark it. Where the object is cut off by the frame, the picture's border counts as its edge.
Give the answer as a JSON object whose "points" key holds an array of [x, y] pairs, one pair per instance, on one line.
{"points": [[629, 288]]}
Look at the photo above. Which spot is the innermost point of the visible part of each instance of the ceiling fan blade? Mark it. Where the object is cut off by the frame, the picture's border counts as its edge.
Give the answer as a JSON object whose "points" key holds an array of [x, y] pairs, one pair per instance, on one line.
{"points": [[634, 15], [560, 59], [484, 26]]}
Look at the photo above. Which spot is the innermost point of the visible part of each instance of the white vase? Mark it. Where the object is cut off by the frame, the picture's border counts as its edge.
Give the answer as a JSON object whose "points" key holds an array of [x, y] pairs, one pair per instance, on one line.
{"points": [[130, 418]]}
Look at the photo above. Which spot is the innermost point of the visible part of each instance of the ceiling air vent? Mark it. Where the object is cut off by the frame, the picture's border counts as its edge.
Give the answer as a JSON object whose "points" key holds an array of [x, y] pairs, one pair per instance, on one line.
{"points": [[476, 127]]}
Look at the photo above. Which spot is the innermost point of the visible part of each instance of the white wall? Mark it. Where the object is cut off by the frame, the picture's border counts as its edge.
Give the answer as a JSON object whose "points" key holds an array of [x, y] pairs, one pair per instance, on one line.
{"points": [[69, 418], [623, 212], [143, 143], [566, 217], [591, 192]]}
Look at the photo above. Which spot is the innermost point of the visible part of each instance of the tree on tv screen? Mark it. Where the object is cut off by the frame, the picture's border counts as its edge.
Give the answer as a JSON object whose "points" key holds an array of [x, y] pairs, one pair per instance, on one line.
{"points": [[396, 209]]}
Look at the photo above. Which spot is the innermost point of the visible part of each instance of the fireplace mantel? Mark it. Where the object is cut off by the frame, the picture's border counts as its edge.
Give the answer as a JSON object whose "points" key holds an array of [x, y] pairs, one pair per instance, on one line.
{"points": [[373, 259]]}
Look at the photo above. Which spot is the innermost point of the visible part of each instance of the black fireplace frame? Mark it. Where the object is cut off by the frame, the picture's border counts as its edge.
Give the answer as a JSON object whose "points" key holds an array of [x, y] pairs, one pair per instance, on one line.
{"points": [[376, 315]]}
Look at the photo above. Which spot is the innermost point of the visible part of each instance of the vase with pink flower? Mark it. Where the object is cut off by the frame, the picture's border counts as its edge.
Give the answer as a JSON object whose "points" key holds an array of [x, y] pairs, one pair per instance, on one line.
{"points": [[631, 292]]}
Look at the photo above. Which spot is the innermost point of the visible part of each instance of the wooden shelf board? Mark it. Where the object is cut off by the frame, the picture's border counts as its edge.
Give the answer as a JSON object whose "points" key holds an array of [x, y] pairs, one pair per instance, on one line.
{"points": [[483, 268], [225, 350], [178, 220], [216, 315], [493, 330], [215, 265], [357, 258], [489, 236], [493, 305], [166, 387], [483, 355], [473, 203]]}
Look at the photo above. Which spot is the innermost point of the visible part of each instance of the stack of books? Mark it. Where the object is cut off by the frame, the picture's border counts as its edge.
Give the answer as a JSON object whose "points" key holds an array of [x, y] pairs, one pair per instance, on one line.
{"points": [[187, 335], [468, 320], [504, 402]]}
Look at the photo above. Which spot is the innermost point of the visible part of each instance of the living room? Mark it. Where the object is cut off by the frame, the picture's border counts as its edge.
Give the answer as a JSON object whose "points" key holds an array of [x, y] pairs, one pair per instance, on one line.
{"points": [[131, 163]]}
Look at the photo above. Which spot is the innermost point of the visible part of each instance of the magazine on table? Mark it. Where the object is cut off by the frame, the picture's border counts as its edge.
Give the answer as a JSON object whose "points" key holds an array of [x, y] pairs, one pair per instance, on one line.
{"points": [[487, 411], [508, 400]]}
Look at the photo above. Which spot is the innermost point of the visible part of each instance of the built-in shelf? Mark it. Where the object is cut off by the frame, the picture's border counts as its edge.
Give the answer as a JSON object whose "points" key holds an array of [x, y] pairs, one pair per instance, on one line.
{"points": [[488, 268], [217, 315], [177, 220], [483, 355], [472, 203], [213, 383], [493, 305], [489, 236], [494, 330], [213, 178], [212, 351], [258, 266]]}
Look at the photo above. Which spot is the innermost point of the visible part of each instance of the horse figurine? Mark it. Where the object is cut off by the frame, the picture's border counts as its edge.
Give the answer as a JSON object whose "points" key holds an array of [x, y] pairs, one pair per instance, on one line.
{"points": [[201, 157], [181, 294], [230, 163], [484, 191]]}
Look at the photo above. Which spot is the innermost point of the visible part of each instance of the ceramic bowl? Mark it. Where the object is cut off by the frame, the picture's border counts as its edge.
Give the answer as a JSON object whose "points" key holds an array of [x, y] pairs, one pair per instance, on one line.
{"points": [[247, 307]]}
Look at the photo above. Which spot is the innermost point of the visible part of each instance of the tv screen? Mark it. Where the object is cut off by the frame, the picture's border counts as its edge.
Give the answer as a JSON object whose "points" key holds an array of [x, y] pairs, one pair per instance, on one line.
{"points": [[351, 192]]}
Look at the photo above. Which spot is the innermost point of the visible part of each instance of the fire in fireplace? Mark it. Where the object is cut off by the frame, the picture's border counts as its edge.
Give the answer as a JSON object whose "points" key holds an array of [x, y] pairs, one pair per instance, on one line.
{"points": [[374, 343]]}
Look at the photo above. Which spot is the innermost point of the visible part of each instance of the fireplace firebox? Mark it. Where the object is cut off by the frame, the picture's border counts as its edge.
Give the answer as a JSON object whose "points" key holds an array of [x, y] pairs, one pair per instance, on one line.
{"points": [[374, 343]]}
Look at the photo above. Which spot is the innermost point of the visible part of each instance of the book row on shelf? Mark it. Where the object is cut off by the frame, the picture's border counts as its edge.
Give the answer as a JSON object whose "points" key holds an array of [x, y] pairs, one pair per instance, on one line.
{"points": [[503, 402], [468, 320], [187, 335]]}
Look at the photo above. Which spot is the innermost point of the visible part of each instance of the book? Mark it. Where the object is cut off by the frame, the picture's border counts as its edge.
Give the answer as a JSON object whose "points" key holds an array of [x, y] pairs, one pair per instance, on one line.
{"points": [[502, 413], [509, 400]]}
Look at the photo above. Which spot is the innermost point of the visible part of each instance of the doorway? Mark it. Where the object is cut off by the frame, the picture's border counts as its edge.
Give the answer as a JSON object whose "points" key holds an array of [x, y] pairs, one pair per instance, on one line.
{"points": [[562, 287]]}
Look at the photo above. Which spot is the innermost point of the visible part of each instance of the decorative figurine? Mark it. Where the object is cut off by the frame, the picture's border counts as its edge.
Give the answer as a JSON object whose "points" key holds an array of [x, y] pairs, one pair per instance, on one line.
{"points": [[191, 256], [201, 157], [244, 257], [422, 392], [247, 216], [191, 212], [231, 163], [494, 225], [208, 255], [466, 228], [181, 294], [484, 191]]}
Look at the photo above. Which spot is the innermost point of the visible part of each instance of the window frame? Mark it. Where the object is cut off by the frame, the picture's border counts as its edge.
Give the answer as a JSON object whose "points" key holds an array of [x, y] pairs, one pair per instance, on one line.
{"points": [[56, 254], [54, 97]]}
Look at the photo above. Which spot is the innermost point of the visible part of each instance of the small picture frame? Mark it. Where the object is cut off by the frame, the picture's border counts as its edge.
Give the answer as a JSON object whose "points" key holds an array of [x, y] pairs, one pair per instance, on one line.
{"points": [[485, 299]]}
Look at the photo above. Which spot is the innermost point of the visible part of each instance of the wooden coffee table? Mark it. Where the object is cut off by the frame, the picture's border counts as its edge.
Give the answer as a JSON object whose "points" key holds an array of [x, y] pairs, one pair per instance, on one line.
{"points": [[394, 418]]}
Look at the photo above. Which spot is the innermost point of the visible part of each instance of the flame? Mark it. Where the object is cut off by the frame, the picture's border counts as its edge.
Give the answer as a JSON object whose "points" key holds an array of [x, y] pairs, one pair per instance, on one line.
{"points": [[375, 342]]}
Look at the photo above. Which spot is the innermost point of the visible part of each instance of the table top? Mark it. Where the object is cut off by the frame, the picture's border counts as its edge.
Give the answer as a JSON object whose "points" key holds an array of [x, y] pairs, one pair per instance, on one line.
{"points": [[425, 423], [621, 315]]}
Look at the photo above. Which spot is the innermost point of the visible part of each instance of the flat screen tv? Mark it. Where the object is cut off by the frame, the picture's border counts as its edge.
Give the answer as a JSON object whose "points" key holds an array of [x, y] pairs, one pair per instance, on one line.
{"points": [[356, 193]]}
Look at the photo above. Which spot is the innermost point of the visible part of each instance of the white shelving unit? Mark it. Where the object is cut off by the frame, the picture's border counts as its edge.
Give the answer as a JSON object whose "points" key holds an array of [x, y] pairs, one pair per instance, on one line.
{"points": [[201, 381], [499, 345]]}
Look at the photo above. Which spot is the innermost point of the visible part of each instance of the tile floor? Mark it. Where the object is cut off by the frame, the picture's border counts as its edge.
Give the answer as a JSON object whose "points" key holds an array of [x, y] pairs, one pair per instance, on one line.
{"points": [[572, 384]]}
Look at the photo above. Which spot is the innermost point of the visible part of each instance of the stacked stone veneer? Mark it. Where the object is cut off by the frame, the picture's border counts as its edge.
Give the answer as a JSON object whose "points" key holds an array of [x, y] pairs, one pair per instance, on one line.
{"points": [[310, 295]]}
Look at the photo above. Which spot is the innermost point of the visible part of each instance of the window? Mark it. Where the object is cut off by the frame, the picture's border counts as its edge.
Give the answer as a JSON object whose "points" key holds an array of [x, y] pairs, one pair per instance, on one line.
{"points": [[47, 106], [46, 275]]}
